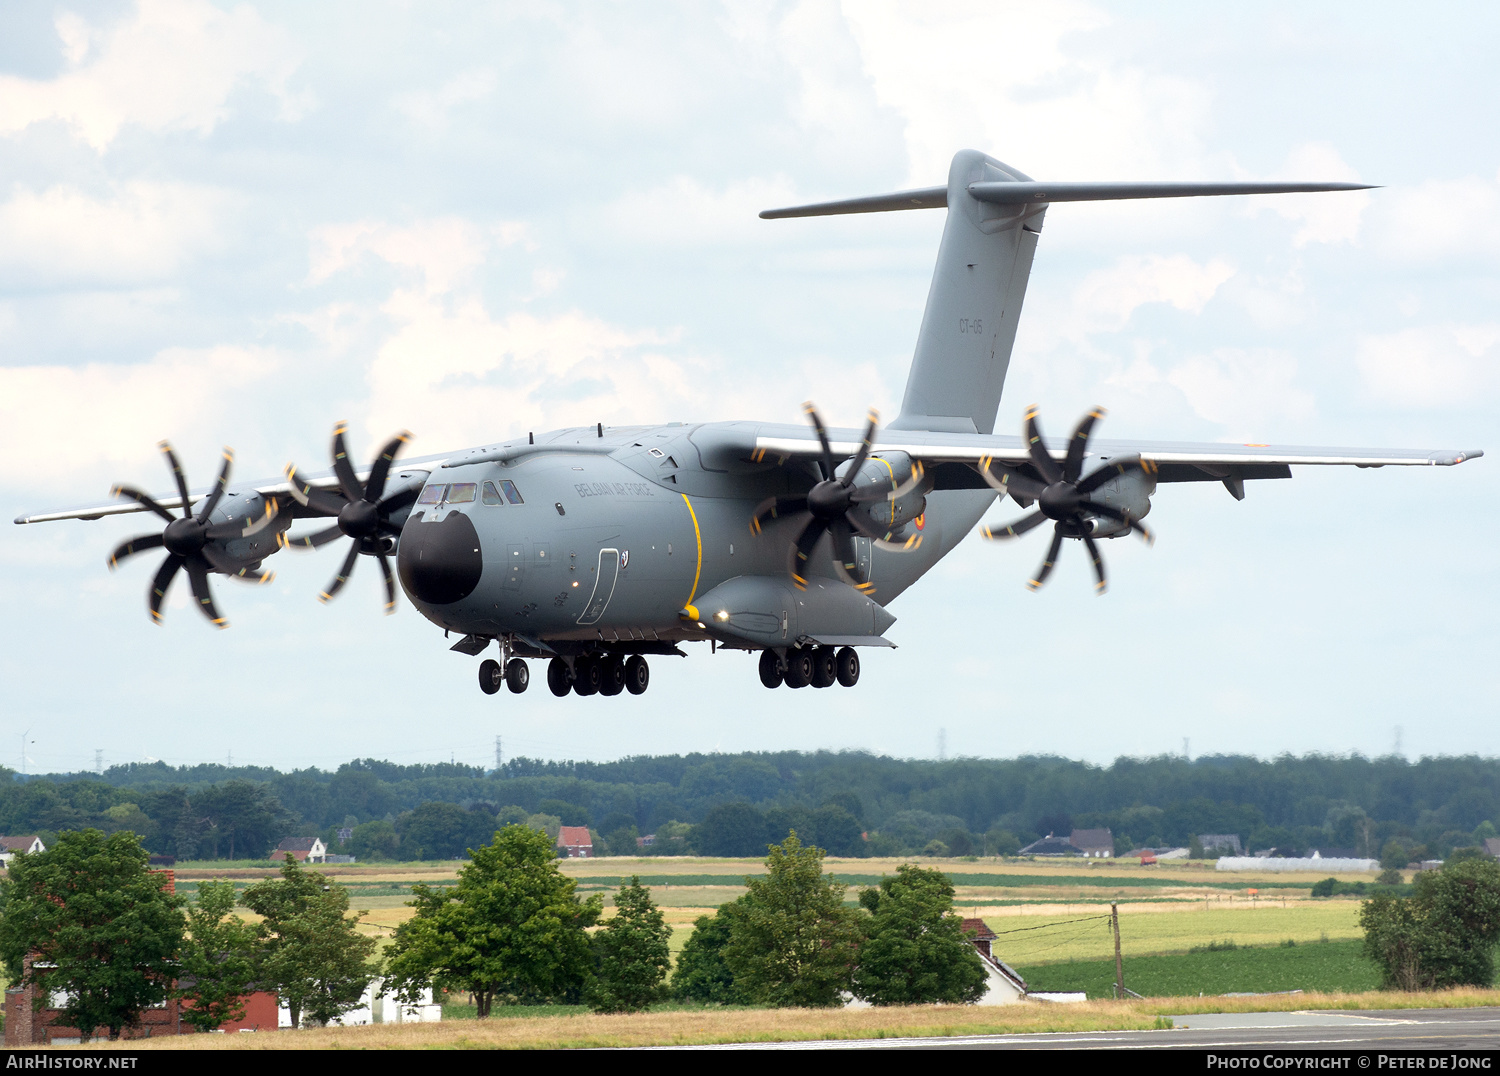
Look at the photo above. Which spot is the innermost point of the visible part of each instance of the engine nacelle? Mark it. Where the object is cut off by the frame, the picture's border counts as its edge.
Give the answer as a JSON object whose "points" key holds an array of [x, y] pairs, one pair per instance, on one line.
{"points": [[886, 514], [246, 508], [1130, 493]]}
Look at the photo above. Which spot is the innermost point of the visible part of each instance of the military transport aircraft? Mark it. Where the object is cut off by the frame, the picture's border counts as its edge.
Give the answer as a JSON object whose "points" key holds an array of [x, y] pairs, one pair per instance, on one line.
{"points": [[593, 548]]}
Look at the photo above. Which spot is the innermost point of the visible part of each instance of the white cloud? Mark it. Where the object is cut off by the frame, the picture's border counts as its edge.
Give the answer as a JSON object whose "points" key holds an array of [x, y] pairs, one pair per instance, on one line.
{"points": [[685, 212], [1247, 392], [1434, 366], [1106, 298], [142, 233], [170, 66], [430, 108], [444, 251], [1327, 217], [1438, 220]]}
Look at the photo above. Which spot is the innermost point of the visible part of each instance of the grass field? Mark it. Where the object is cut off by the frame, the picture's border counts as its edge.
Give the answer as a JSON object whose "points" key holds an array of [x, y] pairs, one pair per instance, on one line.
{"points": [[1327, 967]]}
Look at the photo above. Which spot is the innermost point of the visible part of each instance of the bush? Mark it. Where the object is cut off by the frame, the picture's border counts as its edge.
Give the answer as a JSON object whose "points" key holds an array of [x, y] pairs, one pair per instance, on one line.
{"points": [[915, 952], [631, 950], [1325, 888], [702, 973], [1390, 877], [1443, 935]]}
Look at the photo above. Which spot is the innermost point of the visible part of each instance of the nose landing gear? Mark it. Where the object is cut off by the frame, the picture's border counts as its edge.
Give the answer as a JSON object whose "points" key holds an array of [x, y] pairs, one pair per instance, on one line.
{"points": [[514, 674]]}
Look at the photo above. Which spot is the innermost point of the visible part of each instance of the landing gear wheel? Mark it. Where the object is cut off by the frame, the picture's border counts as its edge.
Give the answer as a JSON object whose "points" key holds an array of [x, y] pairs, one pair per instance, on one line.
{"points": [[799, 668], [637, 675], [559, 677], [848, 662], [825, 667], [611, 675], [517, 675], [770, 668], [588, 674], [490, 676]]}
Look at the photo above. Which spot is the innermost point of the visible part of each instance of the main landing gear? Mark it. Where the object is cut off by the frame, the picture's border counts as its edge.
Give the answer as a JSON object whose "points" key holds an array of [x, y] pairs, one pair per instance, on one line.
{"points": [[820, 666], [514, 674], [599, 674]]}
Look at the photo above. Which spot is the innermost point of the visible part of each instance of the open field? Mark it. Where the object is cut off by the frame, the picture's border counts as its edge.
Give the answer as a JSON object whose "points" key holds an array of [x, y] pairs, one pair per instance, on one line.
{"points": [[685, 1027]]}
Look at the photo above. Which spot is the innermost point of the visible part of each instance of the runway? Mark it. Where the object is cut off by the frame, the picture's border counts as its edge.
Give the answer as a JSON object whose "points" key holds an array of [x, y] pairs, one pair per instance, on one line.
{"points": [[1399, 1030]]}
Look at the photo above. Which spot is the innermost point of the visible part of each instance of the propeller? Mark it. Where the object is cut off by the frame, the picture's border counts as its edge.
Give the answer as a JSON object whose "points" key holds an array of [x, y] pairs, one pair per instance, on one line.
{"points": [[1061, 495], [832, 506], [362, 514], [189, 540]]}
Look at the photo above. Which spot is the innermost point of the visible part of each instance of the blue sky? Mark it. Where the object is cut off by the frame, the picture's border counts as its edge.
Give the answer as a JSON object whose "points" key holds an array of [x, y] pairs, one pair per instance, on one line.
{"points": [[235, 224]]}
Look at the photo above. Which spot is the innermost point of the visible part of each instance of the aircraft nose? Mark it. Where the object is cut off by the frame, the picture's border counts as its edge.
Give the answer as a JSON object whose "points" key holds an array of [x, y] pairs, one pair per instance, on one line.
{"points": [[440, 563]]}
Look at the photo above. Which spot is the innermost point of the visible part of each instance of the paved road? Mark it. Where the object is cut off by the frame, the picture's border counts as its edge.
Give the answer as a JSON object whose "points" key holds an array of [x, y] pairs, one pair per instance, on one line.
{"points": [[1398, 1030]]}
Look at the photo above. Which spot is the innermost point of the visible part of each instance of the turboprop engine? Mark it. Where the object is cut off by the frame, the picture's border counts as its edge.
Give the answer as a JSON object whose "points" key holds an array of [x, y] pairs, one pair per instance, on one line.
{"points": [[898, 473]]}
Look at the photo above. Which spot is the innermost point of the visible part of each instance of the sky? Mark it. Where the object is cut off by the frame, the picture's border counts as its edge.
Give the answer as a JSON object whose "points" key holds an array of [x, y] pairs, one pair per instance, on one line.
{"points": [[235, 224]]}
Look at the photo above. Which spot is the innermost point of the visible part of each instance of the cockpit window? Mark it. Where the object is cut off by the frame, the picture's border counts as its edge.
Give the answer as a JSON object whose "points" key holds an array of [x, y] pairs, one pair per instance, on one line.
{"points": [[489, 494], [512, 494], [461, 492], [433, 494]]}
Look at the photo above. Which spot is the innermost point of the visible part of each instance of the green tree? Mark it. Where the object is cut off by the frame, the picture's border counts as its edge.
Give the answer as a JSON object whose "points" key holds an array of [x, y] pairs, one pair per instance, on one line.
{"points": [[311, 952], [513, 927], [99, 925], [217, 959], [374, 841], [702, 974], [632, 954], [1443, 935], [796, 943], [915, 950], [244, 814], [731, 829], [444, 831]]}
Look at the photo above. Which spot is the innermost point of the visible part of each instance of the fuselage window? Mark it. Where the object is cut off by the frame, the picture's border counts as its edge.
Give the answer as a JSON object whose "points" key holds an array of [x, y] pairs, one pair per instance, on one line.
{"points": [[433, 494], [489, 494], [512, 494], [461, 492]]}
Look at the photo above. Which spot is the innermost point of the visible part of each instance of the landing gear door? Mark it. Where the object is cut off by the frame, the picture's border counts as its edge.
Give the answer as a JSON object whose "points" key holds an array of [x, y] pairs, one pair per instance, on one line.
{"points": [[604, 586]]}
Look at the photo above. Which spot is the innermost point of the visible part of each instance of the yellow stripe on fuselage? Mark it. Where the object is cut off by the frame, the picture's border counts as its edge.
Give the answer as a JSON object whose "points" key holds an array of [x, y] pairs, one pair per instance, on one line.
{"points": [[698, 537]]}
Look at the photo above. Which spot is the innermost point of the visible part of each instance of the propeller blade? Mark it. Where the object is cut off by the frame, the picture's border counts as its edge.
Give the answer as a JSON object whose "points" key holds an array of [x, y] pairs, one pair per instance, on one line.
{"points": [[1046, 466], [134, 546], [1052, 551], [1124, 517], [1073, 464], [382, 467], [130, 493], [1093, 548], [166, 450], [159, 585], [225, 566], [348, 482], [343, 576], [315, 540], [323, 502], [812, 413], [802, 550], [775, 508], [1016, 529], [220, 531], [1113, 469], [197, 570], [1009, 482], [390, 583], [883, 541], [397, 501], [865, 444], [220, 485]]}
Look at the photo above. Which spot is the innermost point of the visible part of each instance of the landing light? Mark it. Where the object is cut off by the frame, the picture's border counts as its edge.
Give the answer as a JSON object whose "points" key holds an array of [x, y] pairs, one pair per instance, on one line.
{"points": [[721, 615]]}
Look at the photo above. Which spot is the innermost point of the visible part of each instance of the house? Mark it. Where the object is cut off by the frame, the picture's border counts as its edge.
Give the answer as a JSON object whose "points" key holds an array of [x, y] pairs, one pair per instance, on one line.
{"points": [[302, 849], [9, 846], [574, 842], [1050, 846], [1156, 854], [1003, 984], [1492, 846], [1228, 843], [379, 1006], [648, 841], [345, 834], [1094, 843]]}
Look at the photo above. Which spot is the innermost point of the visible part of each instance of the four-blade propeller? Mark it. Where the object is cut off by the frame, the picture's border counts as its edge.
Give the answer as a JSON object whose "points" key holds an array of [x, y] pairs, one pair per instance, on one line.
{"points": [[189, 540], [1061, 495], [362, 514], [832, 506]]}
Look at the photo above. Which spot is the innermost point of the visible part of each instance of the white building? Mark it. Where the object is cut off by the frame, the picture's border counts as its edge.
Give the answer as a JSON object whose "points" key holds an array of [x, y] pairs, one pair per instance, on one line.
{"points": [[376, 1006]]}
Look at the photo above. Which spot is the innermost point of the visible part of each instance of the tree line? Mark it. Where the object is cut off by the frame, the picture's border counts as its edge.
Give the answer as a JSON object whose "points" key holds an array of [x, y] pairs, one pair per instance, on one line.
{"points": [[851, 803]]}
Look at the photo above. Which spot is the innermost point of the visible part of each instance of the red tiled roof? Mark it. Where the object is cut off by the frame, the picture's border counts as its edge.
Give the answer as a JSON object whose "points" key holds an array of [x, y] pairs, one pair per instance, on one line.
{"points": [[978, 927], [574, 837]]}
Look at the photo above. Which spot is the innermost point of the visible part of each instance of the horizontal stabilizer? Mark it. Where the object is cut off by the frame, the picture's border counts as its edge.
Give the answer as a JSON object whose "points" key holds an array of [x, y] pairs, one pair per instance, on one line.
{"points": [[1031, 192]]}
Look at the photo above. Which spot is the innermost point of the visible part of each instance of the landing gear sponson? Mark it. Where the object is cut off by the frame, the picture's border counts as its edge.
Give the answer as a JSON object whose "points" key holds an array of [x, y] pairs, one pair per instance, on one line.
{"points": [[820, 666]]}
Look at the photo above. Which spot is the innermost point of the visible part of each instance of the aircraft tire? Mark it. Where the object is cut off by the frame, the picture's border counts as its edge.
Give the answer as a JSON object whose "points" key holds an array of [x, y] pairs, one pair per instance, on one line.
{"points": [[637, 675], [848, 659], [799, 668], [588, 674], [825, 667], [517, 675], [611, 675], [490, 676], [559, 677], [770, 668]]}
